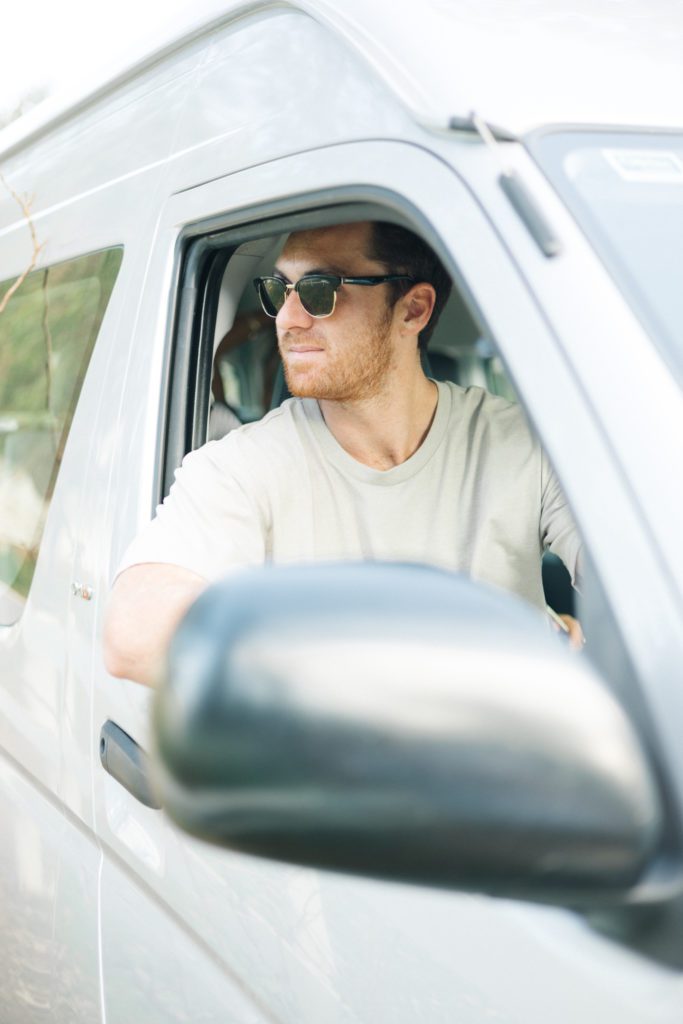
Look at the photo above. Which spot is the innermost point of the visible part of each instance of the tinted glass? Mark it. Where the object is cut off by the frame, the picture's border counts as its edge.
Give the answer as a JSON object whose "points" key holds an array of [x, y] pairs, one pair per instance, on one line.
{"points": [[47, 333], [317, 296], [272, 295]]}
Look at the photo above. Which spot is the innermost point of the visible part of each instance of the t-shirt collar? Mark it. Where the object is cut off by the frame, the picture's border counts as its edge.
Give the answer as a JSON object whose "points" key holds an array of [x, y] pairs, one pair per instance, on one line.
{"points": [[337, 455]]}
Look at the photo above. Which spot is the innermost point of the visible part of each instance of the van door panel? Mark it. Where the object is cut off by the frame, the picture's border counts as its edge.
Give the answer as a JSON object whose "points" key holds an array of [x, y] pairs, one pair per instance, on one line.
{"points": [[156, 969], [49, 891], [49, 882], [308, 945]]}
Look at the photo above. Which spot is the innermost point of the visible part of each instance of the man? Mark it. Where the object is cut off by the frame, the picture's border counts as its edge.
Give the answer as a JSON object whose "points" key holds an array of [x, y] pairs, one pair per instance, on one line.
{"points": [[370, 460]]}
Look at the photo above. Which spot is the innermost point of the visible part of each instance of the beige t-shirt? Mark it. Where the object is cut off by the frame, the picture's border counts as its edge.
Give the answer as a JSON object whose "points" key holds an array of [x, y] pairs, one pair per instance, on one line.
{"points": [[478, 496]]}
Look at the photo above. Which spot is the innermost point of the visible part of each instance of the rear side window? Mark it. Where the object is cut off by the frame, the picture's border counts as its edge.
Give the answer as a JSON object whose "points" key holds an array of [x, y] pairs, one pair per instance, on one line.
{"points": [[47, 332]]}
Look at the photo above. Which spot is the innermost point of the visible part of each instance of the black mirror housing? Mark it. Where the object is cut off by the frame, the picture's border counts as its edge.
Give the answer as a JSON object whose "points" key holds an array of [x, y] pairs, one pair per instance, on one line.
{"points": [[401, 722]]}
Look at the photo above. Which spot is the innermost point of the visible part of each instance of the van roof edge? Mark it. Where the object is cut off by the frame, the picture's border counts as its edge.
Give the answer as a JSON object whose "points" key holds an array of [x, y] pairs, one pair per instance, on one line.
{"points": [[443, 90]]}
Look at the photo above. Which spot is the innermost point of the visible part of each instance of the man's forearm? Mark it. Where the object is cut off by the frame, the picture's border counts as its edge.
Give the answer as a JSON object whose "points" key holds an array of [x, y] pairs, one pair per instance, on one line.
{"points": [[146, 604]]}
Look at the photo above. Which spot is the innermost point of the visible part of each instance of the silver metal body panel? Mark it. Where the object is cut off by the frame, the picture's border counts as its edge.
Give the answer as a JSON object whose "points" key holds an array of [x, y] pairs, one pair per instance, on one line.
{"points": [[438, 63]]}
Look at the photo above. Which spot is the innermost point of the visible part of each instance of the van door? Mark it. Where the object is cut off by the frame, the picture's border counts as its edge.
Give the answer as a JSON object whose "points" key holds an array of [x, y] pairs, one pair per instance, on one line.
{"points": [[193, 932], [49, 859]]}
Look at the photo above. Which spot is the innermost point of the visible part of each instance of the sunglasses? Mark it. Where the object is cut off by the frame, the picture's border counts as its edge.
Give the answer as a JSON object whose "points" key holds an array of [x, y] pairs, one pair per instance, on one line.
{"points": [[317, 292]]}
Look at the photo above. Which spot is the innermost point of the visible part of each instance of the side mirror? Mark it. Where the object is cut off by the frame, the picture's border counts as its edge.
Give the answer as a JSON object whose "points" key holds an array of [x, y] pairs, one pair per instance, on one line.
{"points": [[401, 722]]}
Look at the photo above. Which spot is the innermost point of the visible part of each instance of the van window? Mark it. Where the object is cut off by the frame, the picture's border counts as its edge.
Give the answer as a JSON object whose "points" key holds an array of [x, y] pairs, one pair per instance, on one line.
{"points": [[625, 190], [47, 333], [247, 380], [244, 377]]}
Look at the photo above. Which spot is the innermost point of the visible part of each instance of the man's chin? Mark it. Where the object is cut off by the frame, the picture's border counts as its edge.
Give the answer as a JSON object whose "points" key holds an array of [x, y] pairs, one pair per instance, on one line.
{"points": [[309, 382], [303, 384], [322, 391], [299, 387]]}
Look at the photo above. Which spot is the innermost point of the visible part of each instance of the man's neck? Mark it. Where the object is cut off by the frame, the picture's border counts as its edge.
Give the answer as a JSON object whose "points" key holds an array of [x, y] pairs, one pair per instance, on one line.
{"points": [[385, 430]]}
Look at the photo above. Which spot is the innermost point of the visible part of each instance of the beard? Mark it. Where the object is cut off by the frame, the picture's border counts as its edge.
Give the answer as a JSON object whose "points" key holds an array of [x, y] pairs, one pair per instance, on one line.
{"points": [[349, 374]]}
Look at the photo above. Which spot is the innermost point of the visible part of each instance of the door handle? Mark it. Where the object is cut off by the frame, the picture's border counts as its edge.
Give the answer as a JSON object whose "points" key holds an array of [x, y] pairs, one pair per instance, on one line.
{"points": [[127, 763]]}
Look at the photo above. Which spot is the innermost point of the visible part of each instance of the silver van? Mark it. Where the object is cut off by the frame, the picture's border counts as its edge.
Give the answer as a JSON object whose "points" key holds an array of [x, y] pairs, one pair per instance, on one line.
{"points": [[457, 819]]}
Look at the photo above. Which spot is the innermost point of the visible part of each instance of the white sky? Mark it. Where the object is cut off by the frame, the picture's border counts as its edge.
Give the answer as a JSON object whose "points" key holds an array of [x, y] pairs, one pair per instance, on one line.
{"points": [[54, 43]]}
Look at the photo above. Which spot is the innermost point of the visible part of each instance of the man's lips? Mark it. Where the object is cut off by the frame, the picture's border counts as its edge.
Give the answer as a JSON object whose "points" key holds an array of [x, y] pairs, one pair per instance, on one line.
{"points": [[298, 350]]}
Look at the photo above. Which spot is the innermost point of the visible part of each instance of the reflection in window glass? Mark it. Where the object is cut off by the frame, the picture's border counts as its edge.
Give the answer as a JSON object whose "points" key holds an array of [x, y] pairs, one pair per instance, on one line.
{"points": [[47, 333]]}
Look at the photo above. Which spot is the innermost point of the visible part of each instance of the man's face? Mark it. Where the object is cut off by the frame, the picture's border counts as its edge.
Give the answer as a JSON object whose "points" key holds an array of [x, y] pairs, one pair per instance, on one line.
{"points": [[344, 357]]}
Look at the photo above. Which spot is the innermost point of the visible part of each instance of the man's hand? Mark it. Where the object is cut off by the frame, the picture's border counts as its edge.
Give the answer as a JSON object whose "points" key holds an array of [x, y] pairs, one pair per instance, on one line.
{"points": [[574, 632], [147, 602], [568, 625]]}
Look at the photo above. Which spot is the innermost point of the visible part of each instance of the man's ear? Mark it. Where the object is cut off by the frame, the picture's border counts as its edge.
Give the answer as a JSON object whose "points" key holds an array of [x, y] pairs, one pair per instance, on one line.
{"points": [[418, 304]]}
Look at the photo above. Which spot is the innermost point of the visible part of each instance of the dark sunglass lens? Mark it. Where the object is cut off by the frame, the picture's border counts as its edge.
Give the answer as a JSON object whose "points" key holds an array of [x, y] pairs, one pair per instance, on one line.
{"points": [[317, 296], [272, 294]]}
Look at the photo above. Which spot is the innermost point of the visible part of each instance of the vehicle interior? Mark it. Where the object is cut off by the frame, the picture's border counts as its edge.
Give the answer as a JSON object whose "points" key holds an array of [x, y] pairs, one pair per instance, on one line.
{"points": [[247, 381]]}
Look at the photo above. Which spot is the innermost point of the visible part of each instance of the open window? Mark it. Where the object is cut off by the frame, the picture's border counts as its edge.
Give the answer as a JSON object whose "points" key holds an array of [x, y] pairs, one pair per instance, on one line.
{"points": [[226, 369], [246, 377]]}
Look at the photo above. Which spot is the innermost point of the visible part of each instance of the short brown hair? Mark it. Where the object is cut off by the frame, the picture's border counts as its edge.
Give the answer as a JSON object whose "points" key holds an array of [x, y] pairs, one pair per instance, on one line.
{"points": [[403, 252]]}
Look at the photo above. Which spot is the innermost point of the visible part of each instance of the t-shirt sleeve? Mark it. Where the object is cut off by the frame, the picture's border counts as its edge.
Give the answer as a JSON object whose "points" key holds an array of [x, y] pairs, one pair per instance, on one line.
{"points": [[211, 522], [558, 532]]}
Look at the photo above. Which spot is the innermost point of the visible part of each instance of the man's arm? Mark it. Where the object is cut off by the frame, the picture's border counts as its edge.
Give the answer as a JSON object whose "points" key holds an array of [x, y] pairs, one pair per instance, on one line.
{"points": [[558, 530], [211, 523], [146, 604], [559, 534]]}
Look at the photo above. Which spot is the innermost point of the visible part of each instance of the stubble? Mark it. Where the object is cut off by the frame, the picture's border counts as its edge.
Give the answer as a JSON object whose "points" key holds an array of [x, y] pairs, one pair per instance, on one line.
{"points": [[353, 373]]}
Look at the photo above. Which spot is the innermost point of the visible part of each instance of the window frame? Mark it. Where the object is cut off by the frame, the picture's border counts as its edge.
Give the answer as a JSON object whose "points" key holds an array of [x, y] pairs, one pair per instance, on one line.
{"points": [[202, 253]]}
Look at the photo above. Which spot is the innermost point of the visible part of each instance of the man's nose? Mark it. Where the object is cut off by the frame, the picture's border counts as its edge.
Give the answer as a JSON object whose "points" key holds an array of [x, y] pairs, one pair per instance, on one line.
{"points": [[293, 314]]}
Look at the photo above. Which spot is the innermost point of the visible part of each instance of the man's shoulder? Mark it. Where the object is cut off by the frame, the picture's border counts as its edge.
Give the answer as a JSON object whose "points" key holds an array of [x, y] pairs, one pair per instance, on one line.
{"points": [[255, 458], [275, 438], [277, 421], [474, 400], [501, 424]]}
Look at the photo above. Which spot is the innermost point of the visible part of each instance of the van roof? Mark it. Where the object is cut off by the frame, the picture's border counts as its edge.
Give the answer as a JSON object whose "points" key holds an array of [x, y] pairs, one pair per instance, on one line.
{"points": [[520, 64]]}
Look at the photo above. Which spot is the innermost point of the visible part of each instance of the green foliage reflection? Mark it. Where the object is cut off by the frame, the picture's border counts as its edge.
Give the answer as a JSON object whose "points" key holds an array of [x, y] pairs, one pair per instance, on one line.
{"points": [[47, 334]]}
